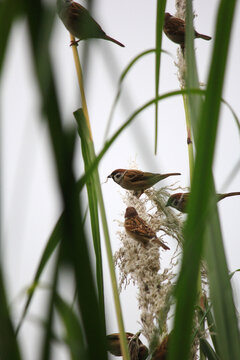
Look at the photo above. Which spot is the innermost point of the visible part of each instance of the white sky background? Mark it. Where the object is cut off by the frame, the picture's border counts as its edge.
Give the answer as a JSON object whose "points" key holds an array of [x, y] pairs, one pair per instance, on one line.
{"points": [[30, 200]]}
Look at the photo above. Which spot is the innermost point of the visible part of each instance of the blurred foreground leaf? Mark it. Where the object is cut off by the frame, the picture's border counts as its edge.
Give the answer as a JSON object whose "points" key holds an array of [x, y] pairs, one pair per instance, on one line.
{"points": [[203, 227]]}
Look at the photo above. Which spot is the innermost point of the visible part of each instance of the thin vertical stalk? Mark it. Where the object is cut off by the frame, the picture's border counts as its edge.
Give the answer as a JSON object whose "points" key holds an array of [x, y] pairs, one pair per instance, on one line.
{"points": [[189, 53], [161, 4], [117, 303], [80, 82], [189, 137], [191, 168]]}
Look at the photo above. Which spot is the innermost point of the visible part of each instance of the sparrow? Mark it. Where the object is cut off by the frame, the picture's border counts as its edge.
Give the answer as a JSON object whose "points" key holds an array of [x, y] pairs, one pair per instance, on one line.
{"points": [[137, 350], [174, 28], [79, 22], [137, 180], [161, 352], [179, 200], [138, 229]]}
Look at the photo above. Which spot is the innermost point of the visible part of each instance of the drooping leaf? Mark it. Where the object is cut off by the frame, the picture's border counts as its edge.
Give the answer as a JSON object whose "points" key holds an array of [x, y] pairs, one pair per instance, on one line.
{"points": [[208, 350], [74, 337]]}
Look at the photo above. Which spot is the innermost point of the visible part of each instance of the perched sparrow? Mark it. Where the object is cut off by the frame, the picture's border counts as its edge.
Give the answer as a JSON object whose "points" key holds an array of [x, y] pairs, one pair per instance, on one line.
{"points": [[136, 180], [137, 350], [113, 343], [142, 352], [80, 23], [161, 352], [179, 201], [174, 28], [137, 228]]}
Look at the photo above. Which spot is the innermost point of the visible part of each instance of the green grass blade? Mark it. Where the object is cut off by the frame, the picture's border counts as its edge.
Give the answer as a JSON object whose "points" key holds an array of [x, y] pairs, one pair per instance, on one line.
{"points": [[189, 274], [75, 253], [221, 295], [84, 130], [208, 350], [233, 114], [9, 11], [233, 273], [74, 337], [220, 287], [8, 345], [161, 4], [88, 156], [192, 81], [45, 348], [122, 77], [47, 252], [133, 62], [212, 327], [74, 243], [203, 212]]}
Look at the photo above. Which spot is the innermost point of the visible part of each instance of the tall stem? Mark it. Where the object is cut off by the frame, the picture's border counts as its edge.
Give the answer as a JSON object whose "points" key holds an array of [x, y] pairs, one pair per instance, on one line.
{"points": [[117, 303], [80, 82], [189, 137], [191, 168]]}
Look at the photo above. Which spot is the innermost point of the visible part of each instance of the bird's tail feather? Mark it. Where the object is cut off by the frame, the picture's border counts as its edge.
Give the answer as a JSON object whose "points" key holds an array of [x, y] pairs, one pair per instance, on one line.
{"points": [[113, 40], [202, 36], [164, 176], [223, 196], [159, 242]]}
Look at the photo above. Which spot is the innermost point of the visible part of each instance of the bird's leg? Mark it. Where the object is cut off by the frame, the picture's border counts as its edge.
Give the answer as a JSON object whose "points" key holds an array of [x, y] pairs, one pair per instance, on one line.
{"points": [[182, 48], [75, 42], [138, 193]]}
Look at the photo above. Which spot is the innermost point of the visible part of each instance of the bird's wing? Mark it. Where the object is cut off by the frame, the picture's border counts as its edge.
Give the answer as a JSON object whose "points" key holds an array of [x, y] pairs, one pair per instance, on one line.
{"points": [[84, 22], [144, 177], [138, 227], [77, 10], [176, 26], [134, 175]]}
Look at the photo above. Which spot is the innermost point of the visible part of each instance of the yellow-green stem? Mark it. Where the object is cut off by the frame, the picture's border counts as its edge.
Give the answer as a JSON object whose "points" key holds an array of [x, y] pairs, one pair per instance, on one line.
{"points": [[191, 167], [80, 82], [123, 340], [189, 137]]}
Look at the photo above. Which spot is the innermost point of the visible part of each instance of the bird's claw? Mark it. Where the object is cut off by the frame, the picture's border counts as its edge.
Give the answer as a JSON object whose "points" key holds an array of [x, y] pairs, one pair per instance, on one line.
{"points": [[74, 42], [138, 193]]}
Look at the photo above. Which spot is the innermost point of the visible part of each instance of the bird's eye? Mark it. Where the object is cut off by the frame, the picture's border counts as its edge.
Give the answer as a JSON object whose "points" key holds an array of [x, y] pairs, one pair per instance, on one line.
{"points": [[117, 177]]}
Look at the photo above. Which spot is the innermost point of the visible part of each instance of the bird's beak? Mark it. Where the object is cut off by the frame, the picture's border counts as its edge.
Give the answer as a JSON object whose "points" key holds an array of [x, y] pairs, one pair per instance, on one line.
{"points": [[109, 176]]}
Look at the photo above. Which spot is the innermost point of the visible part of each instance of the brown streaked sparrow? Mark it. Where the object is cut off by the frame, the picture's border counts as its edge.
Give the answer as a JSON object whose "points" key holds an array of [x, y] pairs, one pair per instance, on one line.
{"points": [[137, 180], [175, 28], [179, 201], [79, 22], [162, 350], [137, 350], [138, 229]]}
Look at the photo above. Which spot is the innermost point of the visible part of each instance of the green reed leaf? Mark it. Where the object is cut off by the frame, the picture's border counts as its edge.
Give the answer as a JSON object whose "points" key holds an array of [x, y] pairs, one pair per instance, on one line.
{"points": [[161, 4]]}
